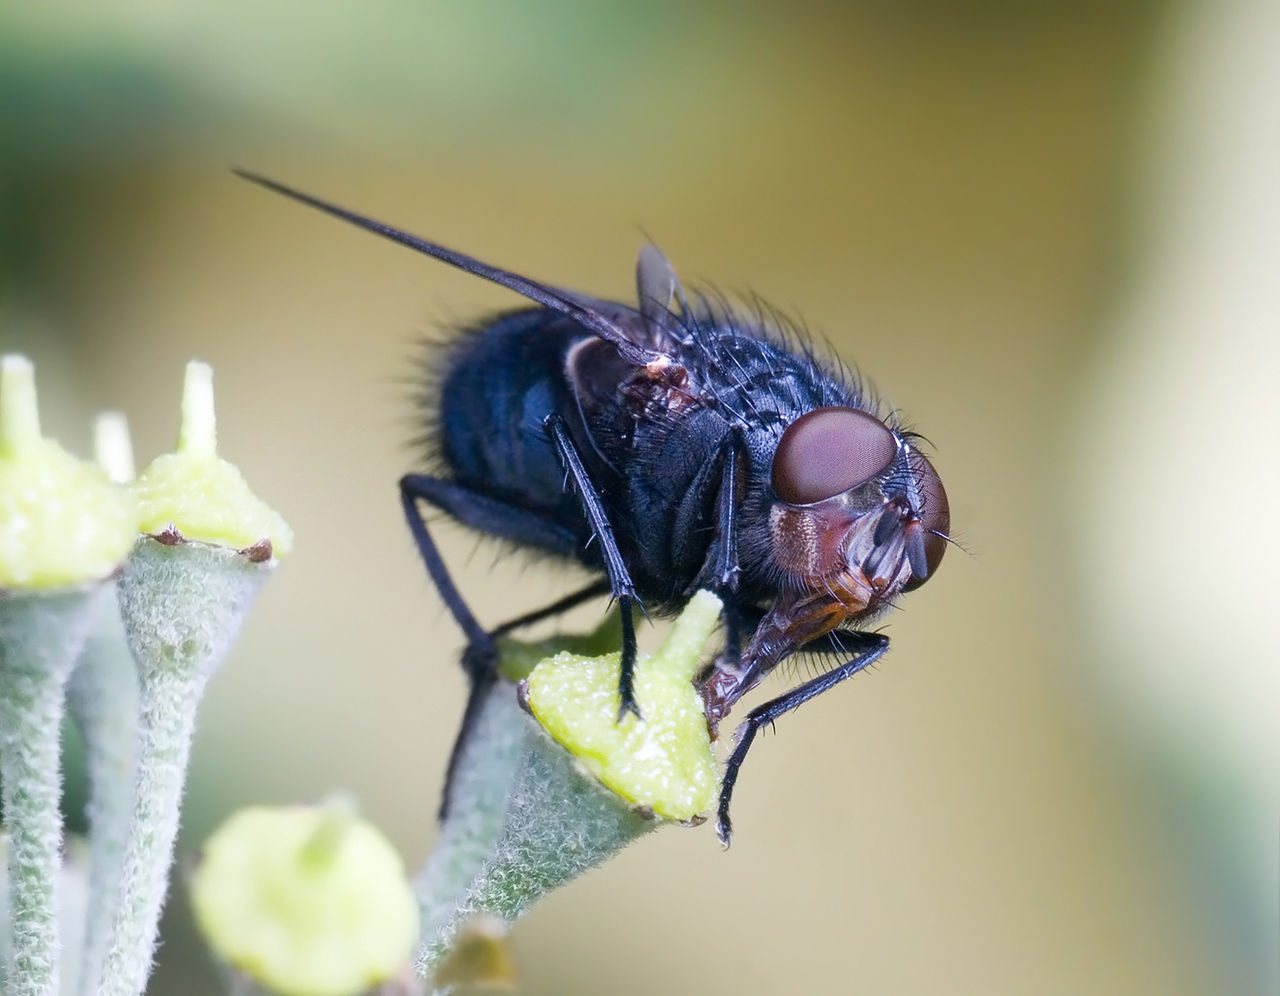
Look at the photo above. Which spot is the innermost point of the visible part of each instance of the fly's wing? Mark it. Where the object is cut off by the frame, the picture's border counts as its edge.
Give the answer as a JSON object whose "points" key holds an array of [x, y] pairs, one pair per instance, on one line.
{"points": [[597, 372], [657, 289], [656, 323], [633, 334]]}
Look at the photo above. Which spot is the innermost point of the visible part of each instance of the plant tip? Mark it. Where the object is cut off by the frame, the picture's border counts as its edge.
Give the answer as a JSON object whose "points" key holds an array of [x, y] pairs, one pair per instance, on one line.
{"points": [[19, 413], [196, 496], [665, 763], [338, 814], [199, 433], [62, 523], [112, 447]]}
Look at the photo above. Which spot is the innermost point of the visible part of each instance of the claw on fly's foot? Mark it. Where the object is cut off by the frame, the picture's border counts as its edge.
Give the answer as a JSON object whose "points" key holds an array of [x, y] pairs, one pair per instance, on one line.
{"points": [[627, 707]]}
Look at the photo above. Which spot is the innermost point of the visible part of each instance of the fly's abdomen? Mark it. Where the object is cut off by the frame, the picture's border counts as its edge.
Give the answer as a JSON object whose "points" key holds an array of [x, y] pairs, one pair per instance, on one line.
{"points": [[503, 381]]}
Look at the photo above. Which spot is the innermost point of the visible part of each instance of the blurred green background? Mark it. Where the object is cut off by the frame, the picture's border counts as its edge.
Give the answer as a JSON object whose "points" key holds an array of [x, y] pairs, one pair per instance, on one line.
{"points": [[982, 205]]}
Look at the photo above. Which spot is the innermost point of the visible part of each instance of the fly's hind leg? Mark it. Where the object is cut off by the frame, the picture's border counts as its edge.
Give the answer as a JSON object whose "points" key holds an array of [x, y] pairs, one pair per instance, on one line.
{"points": [[482, 677], [480, 658]]}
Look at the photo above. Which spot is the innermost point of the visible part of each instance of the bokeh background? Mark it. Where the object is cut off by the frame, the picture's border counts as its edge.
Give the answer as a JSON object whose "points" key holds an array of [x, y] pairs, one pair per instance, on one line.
{"points": [[1048, 232]]}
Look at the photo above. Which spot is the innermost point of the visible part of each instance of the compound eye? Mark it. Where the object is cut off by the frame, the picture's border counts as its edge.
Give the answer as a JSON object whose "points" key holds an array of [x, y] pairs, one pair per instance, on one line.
{"points": [[935, 514], [829, 451]]}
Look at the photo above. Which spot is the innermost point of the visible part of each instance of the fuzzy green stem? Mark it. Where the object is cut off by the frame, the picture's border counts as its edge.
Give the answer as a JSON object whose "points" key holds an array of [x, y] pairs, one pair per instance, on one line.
{"points": [[40, 637], [73, 914], [527, 815], [103, 700], [485, 768], [182, 608], [558, 822], [478, 801], [5, 953], [167, 726], [600, 824]]}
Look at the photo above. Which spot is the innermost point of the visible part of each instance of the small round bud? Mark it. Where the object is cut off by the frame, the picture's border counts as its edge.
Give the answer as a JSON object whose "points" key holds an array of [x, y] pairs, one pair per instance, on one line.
{"points": [[305, 900]]}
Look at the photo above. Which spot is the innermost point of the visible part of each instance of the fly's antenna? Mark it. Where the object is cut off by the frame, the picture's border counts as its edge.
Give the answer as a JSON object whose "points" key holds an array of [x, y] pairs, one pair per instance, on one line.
{"points": [[546, 296]]}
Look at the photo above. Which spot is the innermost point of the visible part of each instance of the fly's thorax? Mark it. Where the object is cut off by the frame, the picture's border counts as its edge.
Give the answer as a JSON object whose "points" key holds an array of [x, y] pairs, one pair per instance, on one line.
{"points": [[675, 471]]}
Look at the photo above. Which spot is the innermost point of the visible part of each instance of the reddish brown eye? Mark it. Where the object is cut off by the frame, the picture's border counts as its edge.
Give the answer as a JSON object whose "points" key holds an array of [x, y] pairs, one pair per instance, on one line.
{"points": [[935, 514], [829, 451]]}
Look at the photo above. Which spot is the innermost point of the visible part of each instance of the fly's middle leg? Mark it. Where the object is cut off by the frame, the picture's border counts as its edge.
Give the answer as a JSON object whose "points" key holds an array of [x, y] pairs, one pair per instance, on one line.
{"points": [[620, 583]]}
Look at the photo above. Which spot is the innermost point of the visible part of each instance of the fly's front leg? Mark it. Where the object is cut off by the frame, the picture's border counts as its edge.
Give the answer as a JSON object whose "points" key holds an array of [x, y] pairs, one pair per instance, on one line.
{"points": [[620, 584], [873, 646]]}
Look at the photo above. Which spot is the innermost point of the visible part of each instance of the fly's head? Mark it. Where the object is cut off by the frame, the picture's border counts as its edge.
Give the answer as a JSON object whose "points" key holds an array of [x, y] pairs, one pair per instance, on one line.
{"points": [[859, 516]]}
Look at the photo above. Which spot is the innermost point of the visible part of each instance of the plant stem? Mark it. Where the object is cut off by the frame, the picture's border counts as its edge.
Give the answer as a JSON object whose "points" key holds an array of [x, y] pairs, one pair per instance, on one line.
{"points": [[558, 823], [182, 606], [40, 638], [167, 721], [103, 701], [476, 807]]}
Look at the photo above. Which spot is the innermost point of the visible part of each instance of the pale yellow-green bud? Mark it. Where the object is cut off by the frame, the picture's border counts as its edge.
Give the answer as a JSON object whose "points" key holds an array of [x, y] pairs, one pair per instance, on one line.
{"points": [[202, 496], [305, 900], [665, 761], [62, 522]]}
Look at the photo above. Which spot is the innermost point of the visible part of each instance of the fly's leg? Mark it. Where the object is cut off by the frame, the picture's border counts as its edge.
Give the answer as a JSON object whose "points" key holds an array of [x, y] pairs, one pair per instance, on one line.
{"points": [[722, 570], [481, 680], [728, 569], [556, 608], [480, 658], [624, 592], [482, 677], [873, 646]]}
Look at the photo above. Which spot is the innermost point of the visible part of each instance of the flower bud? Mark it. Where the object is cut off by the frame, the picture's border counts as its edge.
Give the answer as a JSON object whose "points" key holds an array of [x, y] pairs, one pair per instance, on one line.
{"points": [[665, 761], [198, 494], [62, 523], [305, 900]]}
